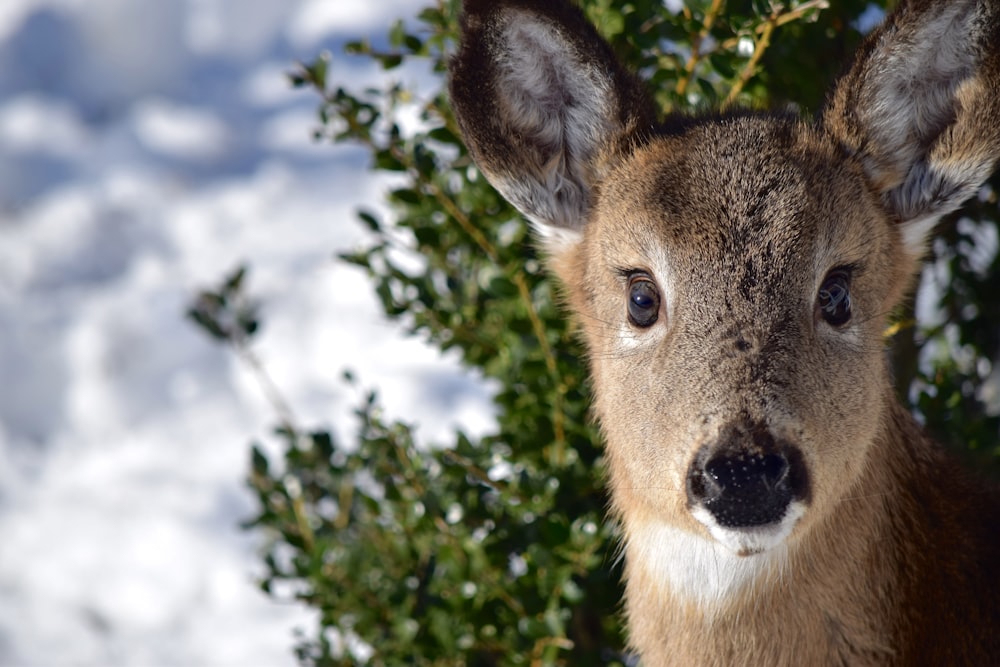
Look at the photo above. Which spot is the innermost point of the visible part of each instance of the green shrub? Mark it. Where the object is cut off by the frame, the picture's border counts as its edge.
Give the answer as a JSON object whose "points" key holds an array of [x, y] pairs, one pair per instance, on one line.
{"points": [[496, 551]]}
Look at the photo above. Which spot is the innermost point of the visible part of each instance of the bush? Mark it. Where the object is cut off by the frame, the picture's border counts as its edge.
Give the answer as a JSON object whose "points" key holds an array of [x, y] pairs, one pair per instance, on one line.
{"points": [[496, 551]]}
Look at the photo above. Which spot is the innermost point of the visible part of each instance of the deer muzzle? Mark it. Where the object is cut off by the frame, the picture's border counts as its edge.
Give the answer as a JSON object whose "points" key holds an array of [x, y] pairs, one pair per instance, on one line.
{"points": [[747, 479]]}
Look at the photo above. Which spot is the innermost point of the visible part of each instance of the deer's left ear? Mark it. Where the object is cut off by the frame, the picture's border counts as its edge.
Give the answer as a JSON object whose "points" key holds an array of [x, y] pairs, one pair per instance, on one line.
{"points": [[921, 107], [543, 105]]}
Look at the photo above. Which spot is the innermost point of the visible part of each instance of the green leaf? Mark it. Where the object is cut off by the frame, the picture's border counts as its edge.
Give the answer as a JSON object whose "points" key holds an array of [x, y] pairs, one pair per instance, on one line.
{"points": [[259, 463], [370, 221], [318, 69], [390, 61]]}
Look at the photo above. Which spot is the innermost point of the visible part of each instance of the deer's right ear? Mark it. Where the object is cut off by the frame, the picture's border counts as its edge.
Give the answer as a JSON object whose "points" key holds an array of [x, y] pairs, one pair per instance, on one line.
{"points": [[544, 106]]}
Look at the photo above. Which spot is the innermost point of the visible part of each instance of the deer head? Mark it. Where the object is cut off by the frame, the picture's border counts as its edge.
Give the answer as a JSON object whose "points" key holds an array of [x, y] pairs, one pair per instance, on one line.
{"points": [[732, 273]]}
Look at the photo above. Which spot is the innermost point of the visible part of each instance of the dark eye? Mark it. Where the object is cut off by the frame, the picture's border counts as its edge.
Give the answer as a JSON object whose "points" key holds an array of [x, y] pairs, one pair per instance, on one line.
{"points": [[643, 301], [834, 298]]}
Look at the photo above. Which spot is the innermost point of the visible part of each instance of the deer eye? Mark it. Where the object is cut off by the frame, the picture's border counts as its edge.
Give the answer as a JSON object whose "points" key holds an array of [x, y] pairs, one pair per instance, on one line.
{"points": [[833, 301], [643, 300]]}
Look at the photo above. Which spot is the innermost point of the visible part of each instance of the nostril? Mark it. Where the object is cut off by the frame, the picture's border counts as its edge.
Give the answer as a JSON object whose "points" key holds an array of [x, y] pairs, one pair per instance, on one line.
{"points": [[774, 469]]}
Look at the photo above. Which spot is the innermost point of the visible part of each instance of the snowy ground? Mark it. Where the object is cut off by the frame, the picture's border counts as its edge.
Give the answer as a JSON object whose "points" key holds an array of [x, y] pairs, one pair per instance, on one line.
{"points": [[146, 148]]}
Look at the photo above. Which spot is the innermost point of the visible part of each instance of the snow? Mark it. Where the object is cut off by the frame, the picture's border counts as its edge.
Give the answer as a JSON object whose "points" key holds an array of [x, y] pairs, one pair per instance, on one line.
{"points": [[147, 149], [179, 131]]}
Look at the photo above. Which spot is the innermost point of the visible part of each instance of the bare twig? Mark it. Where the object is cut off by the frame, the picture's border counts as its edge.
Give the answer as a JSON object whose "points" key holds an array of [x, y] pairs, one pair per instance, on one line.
{"points": [[696, 42]]}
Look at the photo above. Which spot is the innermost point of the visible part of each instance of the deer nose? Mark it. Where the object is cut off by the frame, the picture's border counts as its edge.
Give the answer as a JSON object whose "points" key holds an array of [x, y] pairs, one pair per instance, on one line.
{"points": [[743, 488]]}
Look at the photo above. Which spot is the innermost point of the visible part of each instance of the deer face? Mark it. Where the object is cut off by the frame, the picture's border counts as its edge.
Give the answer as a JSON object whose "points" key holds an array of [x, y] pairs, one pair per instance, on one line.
{"points": [[733, 273], [733, 294]]}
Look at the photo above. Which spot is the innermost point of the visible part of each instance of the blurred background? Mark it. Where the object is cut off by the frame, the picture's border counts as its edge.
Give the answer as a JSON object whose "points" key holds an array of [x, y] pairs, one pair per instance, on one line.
{"points": [[147, 148]]}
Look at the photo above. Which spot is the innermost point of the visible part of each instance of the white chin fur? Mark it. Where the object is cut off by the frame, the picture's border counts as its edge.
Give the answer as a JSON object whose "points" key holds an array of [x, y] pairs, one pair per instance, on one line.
{"points": [[711, 571]]}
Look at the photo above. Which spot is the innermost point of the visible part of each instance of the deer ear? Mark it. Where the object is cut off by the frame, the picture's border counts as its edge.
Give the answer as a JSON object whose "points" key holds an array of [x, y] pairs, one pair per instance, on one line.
{"points": [[921, 107], [544, 106]]}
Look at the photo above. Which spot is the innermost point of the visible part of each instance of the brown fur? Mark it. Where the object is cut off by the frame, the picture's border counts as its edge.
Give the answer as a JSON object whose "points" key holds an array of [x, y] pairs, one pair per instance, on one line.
{"points": [[865, 545]]}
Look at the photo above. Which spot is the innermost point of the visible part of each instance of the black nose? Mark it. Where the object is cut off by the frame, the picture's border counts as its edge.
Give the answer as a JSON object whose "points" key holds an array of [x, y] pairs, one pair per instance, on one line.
{"points": [[745, 486]]}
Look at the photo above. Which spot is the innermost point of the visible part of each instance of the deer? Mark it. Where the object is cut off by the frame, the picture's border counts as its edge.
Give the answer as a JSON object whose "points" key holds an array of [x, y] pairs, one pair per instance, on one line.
{"points": [[732, 274]]}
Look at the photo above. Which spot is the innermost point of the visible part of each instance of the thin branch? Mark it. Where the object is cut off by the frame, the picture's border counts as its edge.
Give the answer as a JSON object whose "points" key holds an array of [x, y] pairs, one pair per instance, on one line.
{"points": [[713, 13], [799, 11], [764, 33], [787, 17], [272, 394], [763, 41]]}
